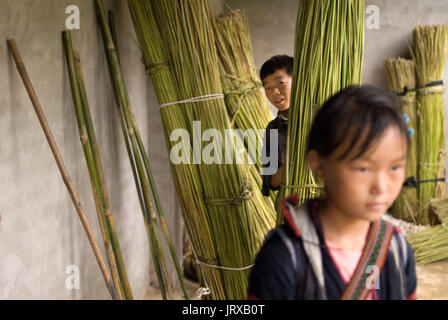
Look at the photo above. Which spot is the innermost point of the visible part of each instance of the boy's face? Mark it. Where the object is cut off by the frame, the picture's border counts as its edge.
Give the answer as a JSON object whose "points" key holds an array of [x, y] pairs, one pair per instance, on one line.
{"points": [[278, 89], [366, 187]]}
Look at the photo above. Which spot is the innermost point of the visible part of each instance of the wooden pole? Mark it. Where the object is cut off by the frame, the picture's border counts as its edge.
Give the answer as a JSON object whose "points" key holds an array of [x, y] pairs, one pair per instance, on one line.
{"points": [[65, 176]]}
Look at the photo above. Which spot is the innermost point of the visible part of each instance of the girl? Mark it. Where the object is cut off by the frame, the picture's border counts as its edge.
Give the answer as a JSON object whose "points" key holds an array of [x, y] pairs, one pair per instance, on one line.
{"points": [[338, 246]]}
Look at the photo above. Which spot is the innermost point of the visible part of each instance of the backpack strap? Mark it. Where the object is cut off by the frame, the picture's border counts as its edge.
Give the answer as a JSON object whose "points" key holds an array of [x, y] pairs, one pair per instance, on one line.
{"points": [[289, 245], [299, 216], [399, 248]]}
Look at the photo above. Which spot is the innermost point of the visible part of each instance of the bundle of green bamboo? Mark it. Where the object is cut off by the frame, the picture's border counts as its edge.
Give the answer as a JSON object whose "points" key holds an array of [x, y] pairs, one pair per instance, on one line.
{"points": [[245, 99], [94, 164], [430, 245], [184, 173], [402, 80], [439, 208], [226, 218], [139, 161], [329, 48], [429, 53]]}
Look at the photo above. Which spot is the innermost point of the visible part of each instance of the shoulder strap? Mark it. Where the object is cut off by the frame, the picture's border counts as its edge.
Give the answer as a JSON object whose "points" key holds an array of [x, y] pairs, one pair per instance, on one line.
{"points": [[311, 243], [397, 247], [289, 245]]}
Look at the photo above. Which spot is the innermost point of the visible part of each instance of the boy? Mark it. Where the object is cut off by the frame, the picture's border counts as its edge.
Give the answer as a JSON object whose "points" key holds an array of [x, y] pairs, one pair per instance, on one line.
{"points": [[275, 75]]}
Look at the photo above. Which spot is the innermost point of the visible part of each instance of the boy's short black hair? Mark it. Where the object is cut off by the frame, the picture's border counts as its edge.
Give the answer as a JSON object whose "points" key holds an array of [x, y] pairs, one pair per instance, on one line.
{"points": [[348, 114], [275, 63]]}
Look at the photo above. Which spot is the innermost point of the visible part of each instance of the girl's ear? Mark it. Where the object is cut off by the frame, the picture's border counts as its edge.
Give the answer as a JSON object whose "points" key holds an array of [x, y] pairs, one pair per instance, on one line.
{"points": [[316, 164]]}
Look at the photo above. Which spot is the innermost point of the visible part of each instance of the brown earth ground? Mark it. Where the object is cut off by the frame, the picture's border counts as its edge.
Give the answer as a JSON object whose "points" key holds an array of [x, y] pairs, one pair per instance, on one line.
{"points": [[432, 284]]}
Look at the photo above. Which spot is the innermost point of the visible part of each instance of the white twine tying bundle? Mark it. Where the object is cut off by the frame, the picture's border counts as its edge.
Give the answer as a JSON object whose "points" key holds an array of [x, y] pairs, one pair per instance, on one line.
{"points": [[204, 291], [195, 99]]}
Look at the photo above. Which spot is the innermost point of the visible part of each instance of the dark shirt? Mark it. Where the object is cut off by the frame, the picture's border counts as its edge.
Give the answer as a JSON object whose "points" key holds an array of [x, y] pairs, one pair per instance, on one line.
{"points": [[279, 147], [274, 277]]}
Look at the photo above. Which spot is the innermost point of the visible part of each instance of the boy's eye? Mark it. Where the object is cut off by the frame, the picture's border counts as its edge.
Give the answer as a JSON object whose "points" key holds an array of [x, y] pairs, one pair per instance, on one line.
{"points": [[362, 169]]}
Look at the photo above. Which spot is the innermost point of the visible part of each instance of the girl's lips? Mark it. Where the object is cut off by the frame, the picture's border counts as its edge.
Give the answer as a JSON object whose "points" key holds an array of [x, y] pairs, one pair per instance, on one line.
{"points": [[376, 206]]}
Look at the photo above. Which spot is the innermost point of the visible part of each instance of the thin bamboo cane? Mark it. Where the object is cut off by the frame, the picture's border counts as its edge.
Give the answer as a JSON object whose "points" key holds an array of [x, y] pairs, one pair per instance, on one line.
{"points": [[77, 101], [103, 190], [65, 176], [156, 197], [132, 131]]}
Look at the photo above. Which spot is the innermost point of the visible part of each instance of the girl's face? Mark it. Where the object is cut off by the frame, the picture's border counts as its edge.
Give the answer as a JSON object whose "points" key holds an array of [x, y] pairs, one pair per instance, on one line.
{"points": [[365, 187]]}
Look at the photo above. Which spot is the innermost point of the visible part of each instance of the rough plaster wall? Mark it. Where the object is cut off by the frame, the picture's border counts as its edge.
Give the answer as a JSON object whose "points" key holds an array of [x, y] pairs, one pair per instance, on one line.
{"points": [[40, 233], [272, 25]]}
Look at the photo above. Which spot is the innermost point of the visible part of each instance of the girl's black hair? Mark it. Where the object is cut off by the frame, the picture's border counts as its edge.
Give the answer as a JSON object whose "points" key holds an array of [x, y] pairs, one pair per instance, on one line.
{"points": [[348, 114], [275, 63]]}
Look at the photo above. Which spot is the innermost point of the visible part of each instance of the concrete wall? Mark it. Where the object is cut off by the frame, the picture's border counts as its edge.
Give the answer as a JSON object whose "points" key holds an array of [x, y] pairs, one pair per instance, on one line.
{"points": [[272, 25], [40, 233]]}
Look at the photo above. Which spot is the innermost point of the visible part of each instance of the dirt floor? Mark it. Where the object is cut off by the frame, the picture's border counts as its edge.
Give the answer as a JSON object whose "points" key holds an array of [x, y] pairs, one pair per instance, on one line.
{"points": [[432, 284], [433, 281]]}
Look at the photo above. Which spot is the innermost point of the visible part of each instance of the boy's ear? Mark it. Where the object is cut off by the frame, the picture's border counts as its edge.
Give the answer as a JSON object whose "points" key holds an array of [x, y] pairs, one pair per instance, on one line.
{"points": [[316, 163]]}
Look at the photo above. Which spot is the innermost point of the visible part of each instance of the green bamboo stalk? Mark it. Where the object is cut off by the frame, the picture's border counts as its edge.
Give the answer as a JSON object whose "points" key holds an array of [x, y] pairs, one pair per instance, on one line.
{"points": [[429, 52], [184, 175], [62, 169], [142, 153], [104, 193], [152, 182], [328, 56], [402, 80], [235, 219], [93, 174], [149, 215], [245, 99]]}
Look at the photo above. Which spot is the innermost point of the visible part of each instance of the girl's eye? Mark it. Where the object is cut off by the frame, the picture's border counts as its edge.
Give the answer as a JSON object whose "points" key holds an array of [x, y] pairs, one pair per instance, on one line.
{"points": [[362, 169], [396, 168]]}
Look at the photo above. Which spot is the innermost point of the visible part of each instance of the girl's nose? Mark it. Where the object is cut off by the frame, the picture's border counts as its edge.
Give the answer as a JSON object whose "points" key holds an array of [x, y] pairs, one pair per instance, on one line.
{"points": [[379, 184]]}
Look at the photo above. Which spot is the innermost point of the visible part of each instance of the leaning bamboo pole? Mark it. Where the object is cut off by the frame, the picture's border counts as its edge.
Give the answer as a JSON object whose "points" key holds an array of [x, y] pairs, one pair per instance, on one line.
{"points": [[94, 163], [402, 80], [159, 209], [148, 214], [329, 48], [142, 163], [65, 176]]}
